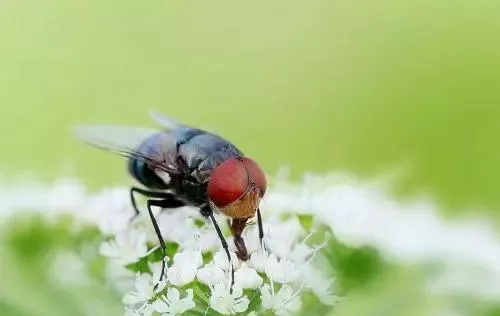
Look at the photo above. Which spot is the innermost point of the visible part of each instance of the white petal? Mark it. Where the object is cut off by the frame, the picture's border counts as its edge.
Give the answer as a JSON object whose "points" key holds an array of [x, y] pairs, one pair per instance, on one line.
{"points": [[241, 304], [237, 291], [247, 278], [251, 240], [300, 253], [147, 310], [160, 306], [131, 299], [258, 260], [282, 236], [174, 275], [173, 294], [189, 256], [138, 239], [128, 247], [187, 305], [143, 290], [160, 286], [294, 305], [273, 268], [197, 259], [210, 276], [220, 260], [121, 238], [219, 288], [156, 267], [216, 303], [143, 282], [282, 271], [187, 302], [220, 299], [180, 276], [285, 293], [188, 274], [321, 285], [109, 249], [130, 312], [266, 297]]}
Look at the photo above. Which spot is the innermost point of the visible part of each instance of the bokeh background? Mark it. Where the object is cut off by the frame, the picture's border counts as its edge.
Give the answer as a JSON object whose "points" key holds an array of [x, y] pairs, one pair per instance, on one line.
{"points": [[360, 86]]}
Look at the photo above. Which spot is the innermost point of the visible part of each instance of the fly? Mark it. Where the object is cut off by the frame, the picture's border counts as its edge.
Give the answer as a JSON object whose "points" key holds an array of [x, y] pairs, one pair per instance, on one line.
{"points": [[181, 165]]}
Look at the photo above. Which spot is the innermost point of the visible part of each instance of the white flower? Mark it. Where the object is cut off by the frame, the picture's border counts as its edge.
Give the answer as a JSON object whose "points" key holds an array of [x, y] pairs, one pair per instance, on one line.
{"points": [[280, 237], [156, 268], [221, 261], [258, 260], [180, 275], [301, 253], [120, 277], [321, 285], [324, 292], [110, 210], [178, 225], [284, 303], [188, 256], [142, 222], [218, 271], [144, 290], [172, 304], [281, 271], [145, 310], [226, 303], [211, 275], [185, 267], [247, 278], [130, 312], [127, 247], [204, 238]]}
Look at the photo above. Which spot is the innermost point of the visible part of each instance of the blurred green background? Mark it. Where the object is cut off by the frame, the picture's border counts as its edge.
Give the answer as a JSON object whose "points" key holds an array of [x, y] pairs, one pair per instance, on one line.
{"points": [[359, 86]]}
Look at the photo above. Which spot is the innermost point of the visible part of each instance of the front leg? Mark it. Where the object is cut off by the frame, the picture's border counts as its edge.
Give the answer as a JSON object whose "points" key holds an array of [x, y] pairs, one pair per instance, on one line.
{"points": [[261, 230], [206, 211]]}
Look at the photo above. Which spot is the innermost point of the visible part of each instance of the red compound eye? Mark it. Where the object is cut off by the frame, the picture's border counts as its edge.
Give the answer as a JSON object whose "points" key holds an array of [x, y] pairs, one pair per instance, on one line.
{"points": [[256, 174], [230, 180]]}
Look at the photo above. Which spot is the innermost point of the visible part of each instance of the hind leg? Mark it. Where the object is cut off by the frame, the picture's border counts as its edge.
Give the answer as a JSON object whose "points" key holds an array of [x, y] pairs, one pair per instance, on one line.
{"points": [[147, 193], [166, 203]]}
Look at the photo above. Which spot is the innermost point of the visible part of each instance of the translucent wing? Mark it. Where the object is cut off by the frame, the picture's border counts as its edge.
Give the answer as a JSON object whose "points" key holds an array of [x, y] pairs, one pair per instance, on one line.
{"points": [[159, 152], [171, 124], [167, 122]]}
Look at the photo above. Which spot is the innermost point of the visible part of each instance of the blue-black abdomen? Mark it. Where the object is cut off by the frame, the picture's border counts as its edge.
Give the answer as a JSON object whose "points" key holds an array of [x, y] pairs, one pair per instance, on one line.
{"points": [[140, 170]]}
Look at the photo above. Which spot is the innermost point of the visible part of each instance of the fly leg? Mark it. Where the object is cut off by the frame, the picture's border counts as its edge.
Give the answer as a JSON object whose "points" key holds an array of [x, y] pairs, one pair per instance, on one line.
{"points": [[146, 193], [207, 212], [261, 229], [171, 202]]}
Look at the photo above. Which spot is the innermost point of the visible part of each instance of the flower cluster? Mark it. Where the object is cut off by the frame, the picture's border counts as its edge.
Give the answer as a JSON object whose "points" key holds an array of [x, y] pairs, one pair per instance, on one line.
{"points": [[275, 278], [198, 273]]}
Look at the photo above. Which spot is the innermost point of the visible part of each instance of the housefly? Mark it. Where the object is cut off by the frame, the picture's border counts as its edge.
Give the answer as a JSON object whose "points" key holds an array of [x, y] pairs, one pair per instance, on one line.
{"points": [[179, 165]]}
